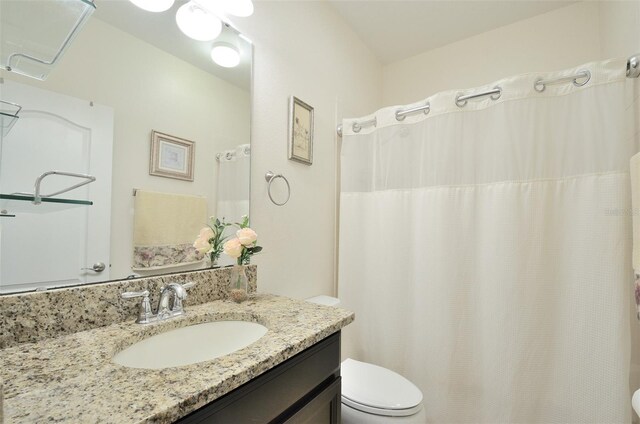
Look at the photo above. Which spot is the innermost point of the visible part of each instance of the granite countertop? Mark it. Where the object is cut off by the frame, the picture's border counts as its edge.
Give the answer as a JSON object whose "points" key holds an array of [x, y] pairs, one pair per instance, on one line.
{"points": [[72, 379]]}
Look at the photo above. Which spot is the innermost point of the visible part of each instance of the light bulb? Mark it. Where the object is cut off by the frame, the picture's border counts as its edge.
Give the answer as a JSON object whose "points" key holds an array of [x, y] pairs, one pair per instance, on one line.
{"points": [[241, 8], [225, 55], [197, 23], [153, 5]]}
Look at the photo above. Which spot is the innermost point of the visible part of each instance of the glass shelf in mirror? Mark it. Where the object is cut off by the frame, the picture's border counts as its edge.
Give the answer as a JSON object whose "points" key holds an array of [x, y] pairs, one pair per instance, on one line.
{"points": [[14, 203], [30, 48], [8, 116]]}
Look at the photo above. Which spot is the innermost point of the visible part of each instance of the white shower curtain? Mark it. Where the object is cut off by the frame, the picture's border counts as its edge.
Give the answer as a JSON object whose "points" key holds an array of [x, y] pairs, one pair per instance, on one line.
{"points": [[233, 189], [486, 249]]}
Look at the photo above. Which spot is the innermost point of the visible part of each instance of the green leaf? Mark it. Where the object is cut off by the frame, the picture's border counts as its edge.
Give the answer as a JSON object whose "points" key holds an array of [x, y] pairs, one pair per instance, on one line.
{"points": [[244, 223]]}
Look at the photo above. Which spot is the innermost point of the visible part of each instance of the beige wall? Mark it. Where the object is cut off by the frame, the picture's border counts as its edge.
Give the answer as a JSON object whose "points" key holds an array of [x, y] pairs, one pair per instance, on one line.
{"points": [[148, 89], [619, 29], [619, 25], [552, 41], [302, 49]]}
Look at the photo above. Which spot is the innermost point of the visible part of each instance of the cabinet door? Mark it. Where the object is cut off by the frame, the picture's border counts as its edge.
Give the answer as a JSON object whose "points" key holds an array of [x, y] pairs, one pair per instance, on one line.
{"points": [[323, 408]]}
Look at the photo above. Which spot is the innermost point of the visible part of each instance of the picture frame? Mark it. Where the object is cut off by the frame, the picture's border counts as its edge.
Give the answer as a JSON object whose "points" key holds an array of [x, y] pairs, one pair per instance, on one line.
{"points": [[300, 131], [171, 157]]}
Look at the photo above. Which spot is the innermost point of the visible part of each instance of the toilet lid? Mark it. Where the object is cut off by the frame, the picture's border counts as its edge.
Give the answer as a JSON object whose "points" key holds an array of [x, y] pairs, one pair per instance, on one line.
{"points": [[377, 390]]}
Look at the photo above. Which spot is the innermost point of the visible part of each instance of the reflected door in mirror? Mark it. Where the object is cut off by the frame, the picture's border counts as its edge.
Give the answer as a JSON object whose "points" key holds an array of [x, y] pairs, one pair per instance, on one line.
{"points": [[57, 241]]}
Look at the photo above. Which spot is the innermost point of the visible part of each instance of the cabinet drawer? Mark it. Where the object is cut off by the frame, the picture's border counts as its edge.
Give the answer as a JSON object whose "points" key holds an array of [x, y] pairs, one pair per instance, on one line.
{"points": [[322, 407]]}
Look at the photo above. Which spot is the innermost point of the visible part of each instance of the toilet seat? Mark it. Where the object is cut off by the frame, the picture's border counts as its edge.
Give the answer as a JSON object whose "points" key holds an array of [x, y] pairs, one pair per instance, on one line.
{"points": [[377, 390]]}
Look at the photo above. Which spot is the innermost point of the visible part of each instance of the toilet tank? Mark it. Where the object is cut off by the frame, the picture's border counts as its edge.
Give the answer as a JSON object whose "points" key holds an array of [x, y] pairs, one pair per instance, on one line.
{"points": [[324, 300]]}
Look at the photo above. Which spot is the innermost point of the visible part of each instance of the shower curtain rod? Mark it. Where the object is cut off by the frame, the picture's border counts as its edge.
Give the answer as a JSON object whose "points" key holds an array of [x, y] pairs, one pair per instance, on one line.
{"points": [[579, 79]]}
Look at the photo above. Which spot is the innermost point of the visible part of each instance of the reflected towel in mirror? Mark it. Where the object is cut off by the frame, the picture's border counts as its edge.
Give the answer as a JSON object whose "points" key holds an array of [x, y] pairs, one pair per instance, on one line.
{"points": [[164, 228]]}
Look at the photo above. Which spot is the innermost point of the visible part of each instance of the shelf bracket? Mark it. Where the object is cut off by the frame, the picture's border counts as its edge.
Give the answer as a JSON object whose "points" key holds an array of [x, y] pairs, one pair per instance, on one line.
{"points": [[37, 196], [8, 115], [33, 52]]}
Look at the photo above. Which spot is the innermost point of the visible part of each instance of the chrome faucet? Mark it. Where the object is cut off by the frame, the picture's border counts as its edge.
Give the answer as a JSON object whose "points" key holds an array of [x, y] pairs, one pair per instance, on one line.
{"points": [[175, 290], [179, 294]]}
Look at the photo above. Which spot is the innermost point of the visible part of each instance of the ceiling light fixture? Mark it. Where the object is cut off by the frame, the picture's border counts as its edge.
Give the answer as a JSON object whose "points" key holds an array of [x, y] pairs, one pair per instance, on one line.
{"points": [[241, 8], [214, 6], [225, 54], [154, 5], [197, 23]]}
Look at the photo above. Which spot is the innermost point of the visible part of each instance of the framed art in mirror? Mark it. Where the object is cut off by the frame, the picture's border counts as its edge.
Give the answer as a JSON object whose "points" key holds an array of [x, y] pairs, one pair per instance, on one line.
{"points": [[171, 156], [300, 131]]}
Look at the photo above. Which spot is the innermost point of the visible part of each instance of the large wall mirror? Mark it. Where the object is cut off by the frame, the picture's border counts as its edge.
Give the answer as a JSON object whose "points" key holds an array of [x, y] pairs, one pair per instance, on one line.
{"points": [[164, 131]]}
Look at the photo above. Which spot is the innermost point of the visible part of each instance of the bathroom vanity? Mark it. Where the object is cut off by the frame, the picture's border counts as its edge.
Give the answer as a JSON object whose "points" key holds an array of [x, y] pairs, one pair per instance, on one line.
{"points": [[291, 374], [305, 388]]}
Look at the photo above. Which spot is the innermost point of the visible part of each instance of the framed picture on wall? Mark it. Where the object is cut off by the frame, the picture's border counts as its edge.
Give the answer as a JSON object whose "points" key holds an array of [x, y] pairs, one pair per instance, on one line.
{"points": [[300, 131], [171, 156]]}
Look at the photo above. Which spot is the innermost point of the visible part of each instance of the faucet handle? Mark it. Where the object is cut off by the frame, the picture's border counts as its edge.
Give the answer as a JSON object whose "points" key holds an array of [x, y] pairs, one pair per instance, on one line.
{"points": [[131, 295], [188, 285], [178, 307], [145, 314]]}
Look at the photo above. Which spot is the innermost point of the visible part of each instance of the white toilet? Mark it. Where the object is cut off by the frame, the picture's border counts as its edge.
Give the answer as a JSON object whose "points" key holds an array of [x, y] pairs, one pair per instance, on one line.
{"points": [[373, 394]]}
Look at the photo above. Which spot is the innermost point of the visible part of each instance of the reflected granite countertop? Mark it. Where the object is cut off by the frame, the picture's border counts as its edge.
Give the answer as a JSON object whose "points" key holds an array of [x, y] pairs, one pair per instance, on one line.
{"points": [[72, 379]]}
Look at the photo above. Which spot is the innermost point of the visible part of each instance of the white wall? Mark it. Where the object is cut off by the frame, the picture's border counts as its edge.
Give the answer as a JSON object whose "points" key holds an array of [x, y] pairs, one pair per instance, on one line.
{"points": [[302, 49], [562, 38], [619, 29], [619, 26], [149, 89]]}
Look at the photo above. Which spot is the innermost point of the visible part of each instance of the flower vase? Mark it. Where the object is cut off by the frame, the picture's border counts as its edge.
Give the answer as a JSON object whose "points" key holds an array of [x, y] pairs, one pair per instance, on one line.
{"points": [[239, 288], [213, 261]]}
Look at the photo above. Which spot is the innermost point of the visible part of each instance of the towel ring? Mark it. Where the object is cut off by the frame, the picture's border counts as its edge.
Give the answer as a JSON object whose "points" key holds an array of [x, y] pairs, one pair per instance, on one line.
{"points": [[270, 177]]}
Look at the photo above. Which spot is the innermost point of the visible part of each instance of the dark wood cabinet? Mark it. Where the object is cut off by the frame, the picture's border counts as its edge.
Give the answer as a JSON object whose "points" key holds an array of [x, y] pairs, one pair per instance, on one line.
{"points": [[322, 407], [303, 389]]}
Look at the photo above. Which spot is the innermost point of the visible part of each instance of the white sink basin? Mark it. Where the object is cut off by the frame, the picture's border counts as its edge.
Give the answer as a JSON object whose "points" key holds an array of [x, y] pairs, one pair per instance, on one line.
{"points": [[190, 345]]}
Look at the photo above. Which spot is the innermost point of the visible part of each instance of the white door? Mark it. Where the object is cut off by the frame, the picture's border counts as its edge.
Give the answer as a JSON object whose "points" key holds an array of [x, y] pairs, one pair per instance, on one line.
{"points": [[50, 245]]}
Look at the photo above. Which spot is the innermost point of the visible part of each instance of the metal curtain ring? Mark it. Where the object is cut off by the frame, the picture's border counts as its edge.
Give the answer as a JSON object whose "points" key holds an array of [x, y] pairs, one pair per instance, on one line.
{"points": [[400, 115], [497, 95], [585, 74], [270, 177], [460, 103], [633, 67]]}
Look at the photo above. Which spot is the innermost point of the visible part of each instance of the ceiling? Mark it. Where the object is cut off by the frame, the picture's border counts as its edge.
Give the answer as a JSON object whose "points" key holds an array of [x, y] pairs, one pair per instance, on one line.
{"points": [[392, 29], [397, 29], [161, 31]]}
